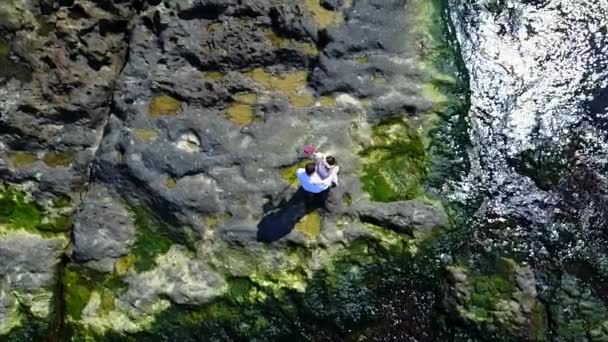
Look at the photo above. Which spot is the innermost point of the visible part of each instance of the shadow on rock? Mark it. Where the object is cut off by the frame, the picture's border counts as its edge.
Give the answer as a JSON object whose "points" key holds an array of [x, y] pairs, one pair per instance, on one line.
{"points": [[282, 219]]}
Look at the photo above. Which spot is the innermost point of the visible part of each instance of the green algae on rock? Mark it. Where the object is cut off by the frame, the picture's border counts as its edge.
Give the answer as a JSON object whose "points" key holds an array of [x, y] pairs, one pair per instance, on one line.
{"points": [[151, 239], [504, 303], [395, 164]]}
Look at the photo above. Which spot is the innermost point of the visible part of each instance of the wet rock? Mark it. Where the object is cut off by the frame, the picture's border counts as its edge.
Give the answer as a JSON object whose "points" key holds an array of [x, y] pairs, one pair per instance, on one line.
{"points": [[500, 304], [28, 276], [103, 230], [577, 312], [403, 216]]}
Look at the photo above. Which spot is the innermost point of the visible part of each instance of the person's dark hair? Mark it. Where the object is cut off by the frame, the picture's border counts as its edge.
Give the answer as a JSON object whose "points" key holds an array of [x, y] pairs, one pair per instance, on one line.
{"points": [[310, 168], [331, 161]]}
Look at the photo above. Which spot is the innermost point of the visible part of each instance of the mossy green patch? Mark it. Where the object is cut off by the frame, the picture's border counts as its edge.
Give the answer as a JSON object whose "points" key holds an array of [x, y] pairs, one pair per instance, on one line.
{"points": [[347, 199], [152, 238], [396, 164], [322, 16], [289, 173], [5, 49], [21, 159], [164, 105], [78, 285], [77, 292], [17, 211], [310, 225], [292, 84], [59, 159]]}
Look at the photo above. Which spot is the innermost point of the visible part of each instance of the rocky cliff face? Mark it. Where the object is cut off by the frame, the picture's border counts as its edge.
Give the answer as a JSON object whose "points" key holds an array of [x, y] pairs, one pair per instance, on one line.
{"points": [[148, 150]]}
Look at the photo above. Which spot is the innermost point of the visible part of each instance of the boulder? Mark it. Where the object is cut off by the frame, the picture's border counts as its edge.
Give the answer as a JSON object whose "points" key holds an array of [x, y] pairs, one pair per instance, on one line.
{"points": [[103, 229], [402, 216]]}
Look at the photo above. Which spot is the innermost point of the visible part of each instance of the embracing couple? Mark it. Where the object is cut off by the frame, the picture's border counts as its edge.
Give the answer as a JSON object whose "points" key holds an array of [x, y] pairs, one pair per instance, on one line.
{"points": [[318, 176]]}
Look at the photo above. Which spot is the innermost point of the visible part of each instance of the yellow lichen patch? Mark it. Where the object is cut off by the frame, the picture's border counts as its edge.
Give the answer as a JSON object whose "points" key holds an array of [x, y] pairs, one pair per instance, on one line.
{"points": [[327, 101], [246, 98], [362, 59], [213, 221], [366, 102], [22, 158], [378, 78], [146, 135], [293, 84], [289, 173], [164, 105], [240, 113], [308, 48], [213, 75], [310, 225], [275, 40], [282, 43], [214, 26], [123, 264], [323, 16], [58, 159], [170, 182]]}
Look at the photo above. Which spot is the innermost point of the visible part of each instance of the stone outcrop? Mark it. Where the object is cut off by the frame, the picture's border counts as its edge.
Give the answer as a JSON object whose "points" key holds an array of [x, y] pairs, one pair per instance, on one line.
{"points": [[27, 278], [168, 130], [403, 216], [501, 304]]}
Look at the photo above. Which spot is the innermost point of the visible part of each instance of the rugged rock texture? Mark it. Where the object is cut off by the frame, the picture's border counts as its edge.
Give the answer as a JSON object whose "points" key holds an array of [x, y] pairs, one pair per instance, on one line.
{"points": [[28, 275], [103, 230], [497, 305], [169, 133], [405, 216]]}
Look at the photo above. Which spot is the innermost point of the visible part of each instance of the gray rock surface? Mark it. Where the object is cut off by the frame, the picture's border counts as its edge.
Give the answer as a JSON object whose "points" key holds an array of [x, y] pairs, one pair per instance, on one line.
{"points": [[402, 216], [28, 276], [103, 230]]}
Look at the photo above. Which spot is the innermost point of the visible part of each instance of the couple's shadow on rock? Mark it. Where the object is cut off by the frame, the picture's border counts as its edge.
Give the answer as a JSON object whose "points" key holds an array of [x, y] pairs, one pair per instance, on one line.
{"points": [[281, 219]]}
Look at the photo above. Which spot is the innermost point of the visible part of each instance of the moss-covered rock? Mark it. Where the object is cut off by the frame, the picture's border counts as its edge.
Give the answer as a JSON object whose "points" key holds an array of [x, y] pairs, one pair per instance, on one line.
{"points": [[577, 312], [152, 238], [499, 304], [395, 164], [19, 212]]}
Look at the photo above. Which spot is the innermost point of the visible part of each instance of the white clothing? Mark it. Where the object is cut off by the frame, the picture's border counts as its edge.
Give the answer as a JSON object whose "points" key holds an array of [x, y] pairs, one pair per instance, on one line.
{"points": [[313, 183], [323, 169]]}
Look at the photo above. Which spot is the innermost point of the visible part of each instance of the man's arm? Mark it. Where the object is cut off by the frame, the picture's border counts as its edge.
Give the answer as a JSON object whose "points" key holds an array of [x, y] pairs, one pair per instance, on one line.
{"points": [[318, 181]]}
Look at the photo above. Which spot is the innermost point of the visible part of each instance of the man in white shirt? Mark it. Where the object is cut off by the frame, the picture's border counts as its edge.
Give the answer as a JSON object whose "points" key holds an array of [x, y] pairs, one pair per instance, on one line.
{"points": [[310, 180]]}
